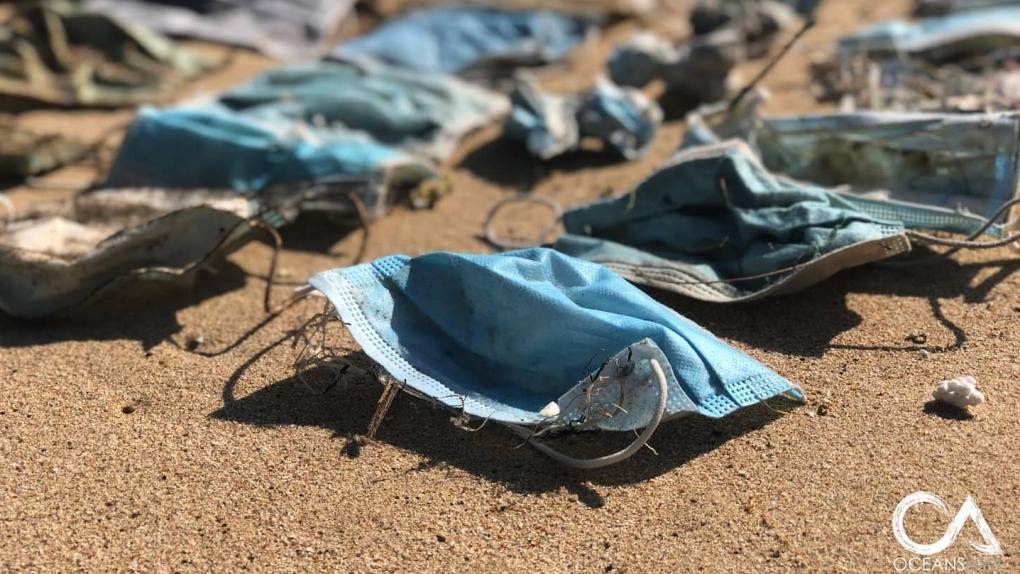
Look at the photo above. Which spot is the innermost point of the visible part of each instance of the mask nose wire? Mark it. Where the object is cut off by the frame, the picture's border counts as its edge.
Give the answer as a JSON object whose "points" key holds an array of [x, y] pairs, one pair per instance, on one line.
{"points": [[510, 243], [620, 456]]}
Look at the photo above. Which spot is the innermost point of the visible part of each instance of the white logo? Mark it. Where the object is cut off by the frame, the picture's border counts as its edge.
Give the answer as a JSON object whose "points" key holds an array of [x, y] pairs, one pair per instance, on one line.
{"points": [[968, 510]]}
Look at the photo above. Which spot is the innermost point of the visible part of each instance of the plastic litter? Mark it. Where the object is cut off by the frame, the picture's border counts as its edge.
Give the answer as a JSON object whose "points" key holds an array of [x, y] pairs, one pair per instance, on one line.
{"points": [[504, 337]]}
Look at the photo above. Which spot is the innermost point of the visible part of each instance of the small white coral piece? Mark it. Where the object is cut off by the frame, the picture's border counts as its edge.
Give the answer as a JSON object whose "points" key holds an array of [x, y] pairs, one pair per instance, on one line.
{"points": [[550, 410], [960, 392]]}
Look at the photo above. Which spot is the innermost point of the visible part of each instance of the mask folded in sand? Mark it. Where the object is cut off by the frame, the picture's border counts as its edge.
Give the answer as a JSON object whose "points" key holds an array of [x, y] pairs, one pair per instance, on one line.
{"points": [[54, 52], [623, 120], [287, 30], [66, 254], [486, 41], [224, 151], [293, 125], [939, 171], [713, 224], [518, 338]]}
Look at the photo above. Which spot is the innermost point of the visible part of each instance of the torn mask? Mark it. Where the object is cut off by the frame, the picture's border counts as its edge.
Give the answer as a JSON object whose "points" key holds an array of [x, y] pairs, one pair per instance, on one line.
{"points": [[460, 330], [715, 225], [58, 53], [622, 120], [285, 30], [66, 254], [476, 40]]}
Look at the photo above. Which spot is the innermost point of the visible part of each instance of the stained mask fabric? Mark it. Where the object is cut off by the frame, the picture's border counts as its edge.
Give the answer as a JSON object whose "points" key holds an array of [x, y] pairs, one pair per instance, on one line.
{"points": [[225, 151], [58, 53], [284, 30], [714, 224], [78, 249], [623, 120], [461, 39], [943, 171], [535, 337], [293, 125]]}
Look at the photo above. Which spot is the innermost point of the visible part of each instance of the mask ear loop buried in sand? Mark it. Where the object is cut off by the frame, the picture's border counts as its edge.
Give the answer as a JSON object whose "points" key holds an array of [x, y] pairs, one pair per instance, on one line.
{"points": [[619, 456]]}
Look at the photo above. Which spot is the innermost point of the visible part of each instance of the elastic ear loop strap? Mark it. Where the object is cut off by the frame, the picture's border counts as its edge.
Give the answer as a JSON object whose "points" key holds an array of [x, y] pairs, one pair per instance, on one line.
{"points": [[609, 459], [505, 243]]}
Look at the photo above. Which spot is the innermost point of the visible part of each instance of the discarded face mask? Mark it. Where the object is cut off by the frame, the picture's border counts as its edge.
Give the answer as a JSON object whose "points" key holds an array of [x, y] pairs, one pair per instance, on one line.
{"points": [[939, 40], [285, 30], [623, 120], [692, 73], [67, 254], [24, 153], [223, 150], [517, 338], [292, 123], [58, 53], [426, 114], [485, 41], [963, 163], [715, 225]]}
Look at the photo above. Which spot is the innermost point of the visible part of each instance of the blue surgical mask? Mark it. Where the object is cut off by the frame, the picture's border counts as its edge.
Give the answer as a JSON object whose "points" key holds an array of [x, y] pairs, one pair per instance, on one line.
{"points": [[540, 339], [461, 39], [714, 224]]}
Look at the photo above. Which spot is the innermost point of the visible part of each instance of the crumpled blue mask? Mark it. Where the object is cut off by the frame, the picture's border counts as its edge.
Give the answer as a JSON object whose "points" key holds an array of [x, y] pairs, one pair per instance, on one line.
{"points": [[715, 225], [938, 171], [624, 120], [519, 338], [293, 125], [208, 147], [461, 39]]}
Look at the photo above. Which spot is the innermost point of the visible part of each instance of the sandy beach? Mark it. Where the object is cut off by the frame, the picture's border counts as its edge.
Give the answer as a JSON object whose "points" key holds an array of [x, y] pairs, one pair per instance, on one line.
{"points": [[122, 450]]}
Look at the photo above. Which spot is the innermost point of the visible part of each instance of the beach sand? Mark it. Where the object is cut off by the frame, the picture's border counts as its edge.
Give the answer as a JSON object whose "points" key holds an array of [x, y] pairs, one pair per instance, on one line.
{"points": [[122, 451]]}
